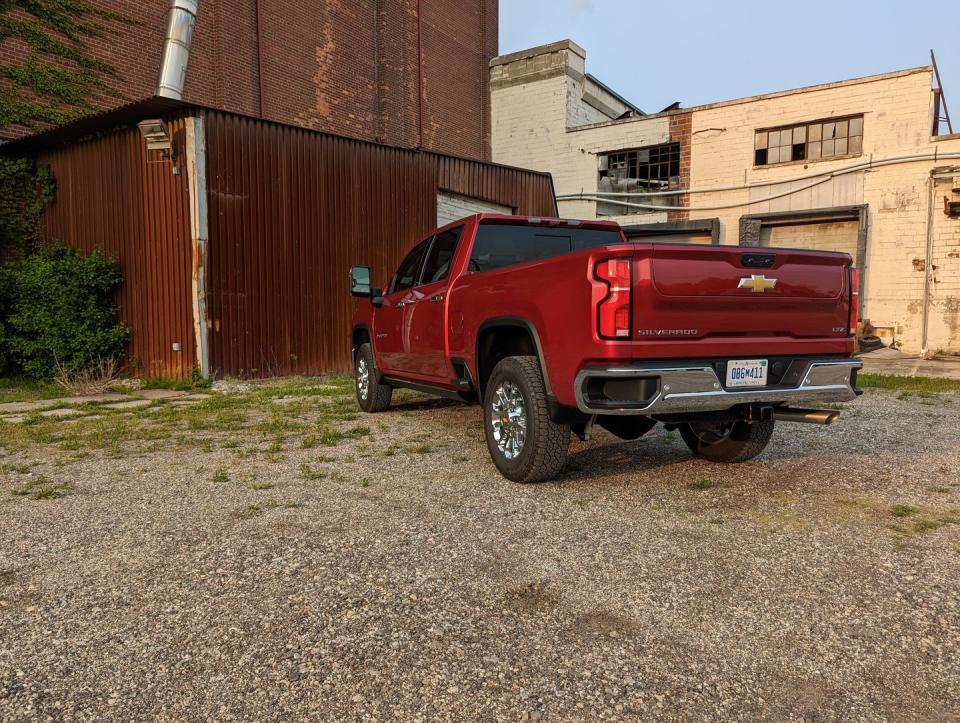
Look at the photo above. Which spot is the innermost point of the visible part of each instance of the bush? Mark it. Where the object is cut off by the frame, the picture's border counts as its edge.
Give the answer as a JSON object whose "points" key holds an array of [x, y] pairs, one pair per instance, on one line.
{"points": [[62, 315]]}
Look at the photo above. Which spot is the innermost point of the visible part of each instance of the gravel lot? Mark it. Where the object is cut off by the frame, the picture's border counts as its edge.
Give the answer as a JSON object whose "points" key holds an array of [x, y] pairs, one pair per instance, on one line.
{"points": [[272, 554]]}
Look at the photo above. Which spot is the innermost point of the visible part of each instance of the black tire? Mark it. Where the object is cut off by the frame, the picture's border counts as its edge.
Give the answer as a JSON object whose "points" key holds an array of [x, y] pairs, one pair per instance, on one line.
{"points": [[543, 450], [731, 442], [376, 396]]}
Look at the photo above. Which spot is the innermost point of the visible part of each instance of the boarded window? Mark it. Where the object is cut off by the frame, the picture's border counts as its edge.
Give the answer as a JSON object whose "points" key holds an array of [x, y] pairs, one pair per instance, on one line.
{"points": [[815, 141]]}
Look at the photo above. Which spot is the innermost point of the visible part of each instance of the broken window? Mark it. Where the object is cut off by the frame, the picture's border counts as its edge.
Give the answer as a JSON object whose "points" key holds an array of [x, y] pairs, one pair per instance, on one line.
{"points": [[654, 168], [829, 138]]}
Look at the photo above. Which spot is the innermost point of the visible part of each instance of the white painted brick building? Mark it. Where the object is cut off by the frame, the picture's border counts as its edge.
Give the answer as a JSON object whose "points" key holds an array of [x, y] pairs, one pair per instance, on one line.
{"points": [[863, 196]]}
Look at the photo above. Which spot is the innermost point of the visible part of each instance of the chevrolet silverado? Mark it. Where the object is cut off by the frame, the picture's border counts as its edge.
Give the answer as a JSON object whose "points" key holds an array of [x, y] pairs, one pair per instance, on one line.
{"points": [[556, 325]]}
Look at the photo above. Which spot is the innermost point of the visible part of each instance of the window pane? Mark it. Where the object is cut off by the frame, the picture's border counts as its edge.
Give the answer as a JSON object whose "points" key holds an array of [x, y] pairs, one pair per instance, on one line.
{"points": [[761, 140], [856, 144], [800, 134], [841, 147], [774, 139], [799, 152], [828, 148], [760, 157], [856, 126], [813, 150], [407, 273], [829, 131], [438, 263], [814, 131], [842, 129]]}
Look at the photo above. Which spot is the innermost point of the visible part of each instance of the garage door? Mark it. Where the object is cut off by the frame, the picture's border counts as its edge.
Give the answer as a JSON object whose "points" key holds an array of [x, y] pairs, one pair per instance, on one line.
{"points": [[452, 207], [830, 236]]}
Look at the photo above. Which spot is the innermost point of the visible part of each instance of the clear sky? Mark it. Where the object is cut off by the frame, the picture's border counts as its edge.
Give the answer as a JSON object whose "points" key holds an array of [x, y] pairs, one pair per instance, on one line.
{"points": [[700, 51]]}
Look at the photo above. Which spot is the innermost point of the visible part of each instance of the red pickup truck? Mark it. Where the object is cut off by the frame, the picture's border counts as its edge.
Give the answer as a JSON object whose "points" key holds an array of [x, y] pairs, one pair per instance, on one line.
{"points": [[557, 325]]}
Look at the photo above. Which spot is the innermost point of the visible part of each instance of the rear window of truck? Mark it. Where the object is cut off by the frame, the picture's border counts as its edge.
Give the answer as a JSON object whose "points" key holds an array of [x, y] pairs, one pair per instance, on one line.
{"points": [[499, 245]]}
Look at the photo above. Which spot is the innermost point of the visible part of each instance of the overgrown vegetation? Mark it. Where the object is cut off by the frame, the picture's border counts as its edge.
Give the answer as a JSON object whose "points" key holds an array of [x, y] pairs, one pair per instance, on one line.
{"points": [[60, 79], [61, 316]]}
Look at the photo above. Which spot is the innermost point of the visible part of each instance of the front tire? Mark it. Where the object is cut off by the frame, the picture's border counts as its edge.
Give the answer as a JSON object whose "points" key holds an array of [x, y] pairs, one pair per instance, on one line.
{"points": [[729, 442], [372, 396], [526, 445]]}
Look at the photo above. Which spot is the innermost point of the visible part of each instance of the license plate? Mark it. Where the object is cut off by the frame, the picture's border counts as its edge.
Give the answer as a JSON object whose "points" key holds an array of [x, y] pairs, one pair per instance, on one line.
{"points": [[747, 373]]}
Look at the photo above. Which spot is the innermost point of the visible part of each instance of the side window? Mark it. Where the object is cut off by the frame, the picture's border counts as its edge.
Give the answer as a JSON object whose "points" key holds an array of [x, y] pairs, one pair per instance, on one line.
{"points": [[409, 268], [437, 267]]}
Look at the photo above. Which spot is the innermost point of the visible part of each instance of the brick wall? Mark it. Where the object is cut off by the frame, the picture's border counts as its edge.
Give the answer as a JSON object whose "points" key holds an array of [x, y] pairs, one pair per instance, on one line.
{"points": [[343, 66]]}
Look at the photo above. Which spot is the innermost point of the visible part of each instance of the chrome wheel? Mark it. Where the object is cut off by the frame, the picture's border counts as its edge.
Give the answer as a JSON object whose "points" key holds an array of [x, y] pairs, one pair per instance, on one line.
{"points": [[363, 378], [509, 419]]}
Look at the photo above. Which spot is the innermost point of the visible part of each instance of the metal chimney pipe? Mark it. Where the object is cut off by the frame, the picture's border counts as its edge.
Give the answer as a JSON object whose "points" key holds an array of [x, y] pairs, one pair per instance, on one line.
{"points": [[176, 48]]}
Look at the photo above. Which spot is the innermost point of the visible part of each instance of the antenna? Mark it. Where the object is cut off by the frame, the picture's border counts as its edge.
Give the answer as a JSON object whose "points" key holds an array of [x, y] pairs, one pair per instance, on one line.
{"points": [[941, 100]]}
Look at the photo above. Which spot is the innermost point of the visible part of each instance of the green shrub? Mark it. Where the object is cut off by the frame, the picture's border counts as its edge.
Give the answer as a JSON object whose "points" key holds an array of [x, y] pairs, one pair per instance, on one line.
{"points": [[62, 311]]}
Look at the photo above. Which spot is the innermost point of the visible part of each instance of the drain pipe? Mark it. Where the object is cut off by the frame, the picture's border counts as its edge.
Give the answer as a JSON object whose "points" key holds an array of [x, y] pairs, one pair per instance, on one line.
{"points": [[928, 268], [176, 48]]}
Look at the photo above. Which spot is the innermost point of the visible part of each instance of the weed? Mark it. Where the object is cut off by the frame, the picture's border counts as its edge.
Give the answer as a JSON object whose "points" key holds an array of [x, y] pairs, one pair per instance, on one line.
{"points": [[422, 448], [325, 458], [277, 445], [903, 510], [220, 476], [927, 525], [359, 431], [261, 485], [41, 488], [365, 482], [311, 473], [701, 484], [715, 520], [309, 442], [230, 444], [938, 490], [330, 437]]}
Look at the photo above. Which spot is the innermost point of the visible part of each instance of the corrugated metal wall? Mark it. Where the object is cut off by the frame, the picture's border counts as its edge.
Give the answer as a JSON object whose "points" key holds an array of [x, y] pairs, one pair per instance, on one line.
{"points": [[111, 196], [290, 210]]}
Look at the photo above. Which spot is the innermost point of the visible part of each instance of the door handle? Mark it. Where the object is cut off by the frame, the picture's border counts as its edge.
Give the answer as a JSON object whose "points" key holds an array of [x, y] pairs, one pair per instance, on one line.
{"points": [[436, 298]]}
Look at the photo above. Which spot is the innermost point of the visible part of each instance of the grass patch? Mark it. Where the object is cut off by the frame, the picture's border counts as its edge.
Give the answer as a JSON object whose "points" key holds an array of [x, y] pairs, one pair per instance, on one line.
{"points": [[701, 484], [903, 510], [311, 473], [220, 476], [194, 384], [932, 385], [16, 389], [41, 488], [261, 486], [422, 448]]}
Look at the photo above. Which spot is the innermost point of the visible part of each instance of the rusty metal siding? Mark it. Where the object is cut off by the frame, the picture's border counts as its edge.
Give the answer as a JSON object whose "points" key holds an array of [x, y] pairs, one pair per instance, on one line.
{"points": [[111, 196], [290, 210]]}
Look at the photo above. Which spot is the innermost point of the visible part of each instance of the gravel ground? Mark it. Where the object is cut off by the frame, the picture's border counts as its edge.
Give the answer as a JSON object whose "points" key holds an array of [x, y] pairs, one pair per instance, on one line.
{"points": [[250, 564]]}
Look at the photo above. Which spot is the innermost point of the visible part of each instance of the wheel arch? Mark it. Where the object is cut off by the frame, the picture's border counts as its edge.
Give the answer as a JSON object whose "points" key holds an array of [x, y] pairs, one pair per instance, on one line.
{"points": [[504, 336]]}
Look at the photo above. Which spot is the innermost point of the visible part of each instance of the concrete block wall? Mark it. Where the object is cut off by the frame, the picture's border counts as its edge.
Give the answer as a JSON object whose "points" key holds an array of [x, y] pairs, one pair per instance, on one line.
{"points": [[897, 121], [537, 123]]}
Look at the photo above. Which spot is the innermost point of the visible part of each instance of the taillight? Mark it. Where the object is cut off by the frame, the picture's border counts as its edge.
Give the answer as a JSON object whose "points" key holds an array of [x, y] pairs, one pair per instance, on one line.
{"points": [[613, 311], [854, 301]]}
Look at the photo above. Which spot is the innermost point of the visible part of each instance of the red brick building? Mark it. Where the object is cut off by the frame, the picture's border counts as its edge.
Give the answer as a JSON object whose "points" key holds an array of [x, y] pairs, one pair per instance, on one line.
{"points": [[410, 73]]}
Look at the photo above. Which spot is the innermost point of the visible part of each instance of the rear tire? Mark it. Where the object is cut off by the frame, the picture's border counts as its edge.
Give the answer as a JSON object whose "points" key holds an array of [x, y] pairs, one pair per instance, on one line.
{"points": [[526, 445], [372, 396], [730, 442]]}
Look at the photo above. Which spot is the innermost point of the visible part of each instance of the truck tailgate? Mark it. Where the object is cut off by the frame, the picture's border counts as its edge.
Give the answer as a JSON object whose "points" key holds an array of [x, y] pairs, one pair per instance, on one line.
{"points": [[694, 292]]}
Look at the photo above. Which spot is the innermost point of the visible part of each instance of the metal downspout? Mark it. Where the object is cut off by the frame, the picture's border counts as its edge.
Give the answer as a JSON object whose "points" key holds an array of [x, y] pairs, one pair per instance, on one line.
{"points": [[176, 48], [928, 268]]}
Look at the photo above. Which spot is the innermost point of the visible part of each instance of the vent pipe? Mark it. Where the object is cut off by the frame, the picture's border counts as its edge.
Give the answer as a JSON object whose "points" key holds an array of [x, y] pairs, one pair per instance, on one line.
{"points": [[176, 48]]}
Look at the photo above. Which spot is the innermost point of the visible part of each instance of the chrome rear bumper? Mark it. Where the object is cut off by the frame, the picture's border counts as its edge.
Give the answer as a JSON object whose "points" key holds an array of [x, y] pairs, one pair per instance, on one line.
{"points": [[694, 387]]}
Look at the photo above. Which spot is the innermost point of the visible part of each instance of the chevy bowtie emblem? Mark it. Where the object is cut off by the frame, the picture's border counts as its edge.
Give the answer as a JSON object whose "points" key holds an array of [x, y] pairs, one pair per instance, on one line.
{"points": [[757, 284]]}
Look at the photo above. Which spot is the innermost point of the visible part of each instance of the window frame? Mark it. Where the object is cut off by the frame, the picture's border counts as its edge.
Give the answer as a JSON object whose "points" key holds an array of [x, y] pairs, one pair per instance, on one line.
{"points": [[806, 126], [433, 240], [426, 243]]}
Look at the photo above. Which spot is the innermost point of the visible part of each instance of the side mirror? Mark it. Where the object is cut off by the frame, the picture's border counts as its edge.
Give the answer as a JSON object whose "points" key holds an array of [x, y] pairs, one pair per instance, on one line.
{"points": [[360, 281]]}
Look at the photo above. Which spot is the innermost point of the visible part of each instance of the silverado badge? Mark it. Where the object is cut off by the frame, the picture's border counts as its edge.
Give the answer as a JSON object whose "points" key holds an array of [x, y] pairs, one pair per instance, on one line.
{"points": [[757, 284]]}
